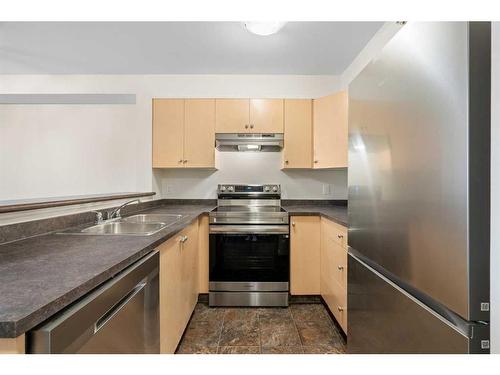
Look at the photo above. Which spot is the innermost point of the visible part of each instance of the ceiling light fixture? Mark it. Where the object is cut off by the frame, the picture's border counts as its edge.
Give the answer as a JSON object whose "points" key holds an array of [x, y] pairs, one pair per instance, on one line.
{"points": [[264, 28]]}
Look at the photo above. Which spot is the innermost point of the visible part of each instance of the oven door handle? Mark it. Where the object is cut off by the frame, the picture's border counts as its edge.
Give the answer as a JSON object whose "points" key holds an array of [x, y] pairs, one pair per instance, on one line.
{"points": [[249, 229]]}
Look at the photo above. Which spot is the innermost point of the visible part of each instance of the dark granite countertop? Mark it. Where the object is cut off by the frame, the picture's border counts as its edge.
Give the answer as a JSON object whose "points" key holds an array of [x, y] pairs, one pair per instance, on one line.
{"points": [[41, 275], [336, 213]]}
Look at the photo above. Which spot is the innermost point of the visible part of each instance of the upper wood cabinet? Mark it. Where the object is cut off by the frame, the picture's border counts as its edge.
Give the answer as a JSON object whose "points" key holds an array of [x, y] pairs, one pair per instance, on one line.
{"points": [[168, 133], [231, 115], [266, 115], [249, 115], [330, 131], [305, 255], [297, 152], [183, 133], [199, 133]]}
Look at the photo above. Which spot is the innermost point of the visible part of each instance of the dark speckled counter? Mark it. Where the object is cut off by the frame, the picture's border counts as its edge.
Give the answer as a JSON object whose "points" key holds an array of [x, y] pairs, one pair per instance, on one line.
{"points": [[336, 213], [41, 275]]}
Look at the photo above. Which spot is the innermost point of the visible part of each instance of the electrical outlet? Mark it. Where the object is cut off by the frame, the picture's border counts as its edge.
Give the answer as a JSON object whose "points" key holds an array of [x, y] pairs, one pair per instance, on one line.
{"points": [[167, 188], [327, 189]]}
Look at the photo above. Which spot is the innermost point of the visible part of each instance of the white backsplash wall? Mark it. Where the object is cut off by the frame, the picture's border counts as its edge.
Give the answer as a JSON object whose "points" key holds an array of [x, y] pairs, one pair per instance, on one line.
{"points": [[251, 168]]}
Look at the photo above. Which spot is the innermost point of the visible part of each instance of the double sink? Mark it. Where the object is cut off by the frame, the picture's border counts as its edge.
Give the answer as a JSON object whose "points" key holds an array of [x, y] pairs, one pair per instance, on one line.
{"points": [[136, 225]]}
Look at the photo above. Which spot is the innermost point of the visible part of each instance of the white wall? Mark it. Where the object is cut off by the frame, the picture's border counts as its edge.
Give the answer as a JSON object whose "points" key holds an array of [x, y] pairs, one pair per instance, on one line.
{"points": [[495, 191], [252, 168], [57, 150]]}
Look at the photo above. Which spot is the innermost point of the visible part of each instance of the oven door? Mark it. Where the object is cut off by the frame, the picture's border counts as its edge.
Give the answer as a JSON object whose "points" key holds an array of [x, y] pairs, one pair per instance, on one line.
{"points": [[249, 257]]}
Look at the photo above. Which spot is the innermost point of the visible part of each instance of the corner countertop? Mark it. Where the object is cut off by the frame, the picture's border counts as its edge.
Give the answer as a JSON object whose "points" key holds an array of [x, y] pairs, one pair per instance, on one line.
{"points": [[41, 275], [336, 213]]}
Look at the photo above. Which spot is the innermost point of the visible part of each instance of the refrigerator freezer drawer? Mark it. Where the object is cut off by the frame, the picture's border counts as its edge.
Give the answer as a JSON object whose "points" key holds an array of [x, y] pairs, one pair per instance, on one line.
{"points": [[383, 318]]}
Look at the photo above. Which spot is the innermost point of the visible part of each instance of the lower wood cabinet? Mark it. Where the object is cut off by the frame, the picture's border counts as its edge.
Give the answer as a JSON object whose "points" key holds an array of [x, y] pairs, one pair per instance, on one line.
{"points": [[318, 262], [334, 269], [178, 285], [305, 255]]}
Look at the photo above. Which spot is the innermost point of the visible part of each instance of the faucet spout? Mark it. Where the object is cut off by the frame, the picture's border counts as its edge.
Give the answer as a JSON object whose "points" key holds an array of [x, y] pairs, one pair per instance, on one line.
{"points": [[116, 213]]}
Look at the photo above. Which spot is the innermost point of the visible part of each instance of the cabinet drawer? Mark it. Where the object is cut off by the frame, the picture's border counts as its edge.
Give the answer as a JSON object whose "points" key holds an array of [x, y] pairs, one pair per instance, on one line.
{"points": [[335, 297], [336, 232], [333, 261]]}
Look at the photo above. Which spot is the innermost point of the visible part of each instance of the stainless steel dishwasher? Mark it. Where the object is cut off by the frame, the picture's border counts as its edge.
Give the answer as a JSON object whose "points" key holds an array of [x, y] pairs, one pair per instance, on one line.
{"points": [[120, 316]]}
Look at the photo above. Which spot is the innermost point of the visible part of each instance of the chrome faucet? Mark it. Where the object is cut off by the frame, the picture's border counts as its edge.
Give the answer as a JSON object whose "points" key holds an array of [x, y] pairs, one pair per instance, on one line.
{"points": [[116, 213]]}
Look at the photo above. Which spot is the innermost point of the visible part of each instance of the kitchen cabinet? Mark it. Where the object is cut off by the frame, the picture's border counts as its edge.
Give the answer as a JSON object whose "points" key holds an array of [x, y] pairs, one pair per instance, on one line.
{"points": [[168, 133], [203, 253], [297, 151], [183, 133], [178, 285], [333, 273], [199, 133], [249, 115], [13, 346], [330, 131], [305, 238]]}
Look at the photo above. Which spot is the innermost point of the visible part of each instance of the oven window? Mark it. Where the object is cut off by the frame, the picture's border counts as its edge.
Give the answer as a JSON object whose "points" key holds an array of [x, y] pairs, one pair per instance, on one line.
{"points": [[249, 257]]}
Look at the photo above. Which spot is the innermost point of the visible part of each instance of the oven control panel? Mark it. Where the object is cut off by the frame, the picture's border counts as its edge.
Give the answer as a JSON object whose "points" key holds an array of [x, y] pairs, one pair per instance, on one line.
{"points": [[249, 189]]}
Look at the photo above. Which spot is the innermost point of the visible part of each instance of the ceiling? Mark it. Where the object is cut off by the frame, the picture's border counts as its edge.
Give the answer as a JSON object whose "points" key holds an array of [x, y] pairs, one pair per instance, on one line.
{"points": [[309, 48]]}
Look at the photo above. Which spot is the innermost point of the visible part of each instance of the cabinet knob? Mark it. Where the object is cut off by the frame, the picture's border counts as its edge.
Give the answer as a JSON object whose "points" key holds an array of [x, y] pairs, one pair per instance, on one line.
{"points": [[293, 224], [184, 161], [340, 235], [183, 239], [316, 161], [340, 308], [246, 126], [286, 161], [251, 126], [340, 267], [180, 161]]}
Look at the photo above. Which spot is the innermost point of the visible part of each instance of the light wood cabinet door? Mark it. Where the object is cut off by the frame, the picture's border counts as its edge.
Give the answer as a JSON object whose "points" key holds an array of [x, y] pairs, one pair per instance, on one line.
{"points": [[178, 286], [168, 133], [199, 133], [232, 115], [297, 151], [266, 116], [330, 131], [305, 255]]}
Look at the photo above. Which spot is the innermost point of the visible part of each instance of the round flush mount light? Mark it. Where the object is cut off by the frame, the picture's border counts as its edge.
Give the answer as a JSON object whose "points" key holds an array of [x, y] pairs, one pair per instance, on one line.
{"points": [[264, 28]]}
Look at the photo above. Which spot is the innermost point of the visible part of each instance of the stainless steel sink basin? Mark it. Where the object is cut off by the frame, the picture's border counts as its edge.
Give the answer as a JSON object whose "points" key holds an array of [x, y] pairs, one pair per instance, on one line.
{"points": [[167, 219], [124, 228], [136, 225]]}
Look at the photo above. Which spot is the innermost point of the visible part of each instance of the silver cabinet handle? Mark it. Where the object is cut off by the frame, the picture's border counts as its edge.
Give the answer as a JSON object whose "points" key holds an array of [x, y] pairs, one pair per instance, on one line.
{"points": [[340, 267], [340, 308], [101, 322]]}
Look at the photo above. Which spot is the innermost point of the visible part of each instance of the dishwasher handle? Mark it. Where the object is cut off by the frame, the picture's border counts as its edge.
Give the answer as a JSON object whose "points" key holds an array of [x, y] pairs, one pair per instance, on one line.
{"points": [[115, 309]]}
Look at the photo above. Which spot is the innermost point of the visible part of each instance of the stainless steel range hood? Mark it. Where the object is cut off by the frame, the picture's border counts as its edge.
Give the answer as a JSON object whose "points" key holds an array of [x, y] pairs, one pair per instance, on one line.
{"points": [[267, 142]]}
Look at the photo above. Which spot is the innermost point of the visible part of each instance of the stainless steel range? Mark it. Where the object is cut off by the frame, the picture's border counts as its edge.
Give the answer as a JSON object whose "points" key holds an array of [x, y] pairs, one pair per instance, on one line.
{"points": [[249, 258]]}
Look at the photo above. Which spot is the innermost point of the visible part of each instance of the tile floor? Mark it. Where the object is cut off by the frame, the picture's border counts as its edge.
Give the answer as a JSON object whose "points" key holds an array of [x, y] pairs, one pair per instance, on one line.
{"points": [[300, 328]]}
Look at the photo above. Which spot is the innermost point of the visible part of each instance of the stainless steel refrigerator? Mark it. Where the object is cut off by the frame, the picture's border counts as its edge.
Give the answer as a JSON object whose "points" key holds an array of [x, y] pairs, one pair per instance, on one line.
{"points": [[419, 187]]}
